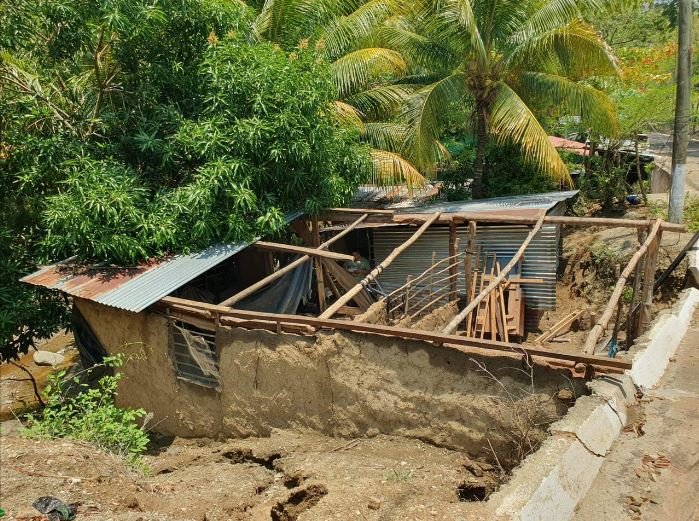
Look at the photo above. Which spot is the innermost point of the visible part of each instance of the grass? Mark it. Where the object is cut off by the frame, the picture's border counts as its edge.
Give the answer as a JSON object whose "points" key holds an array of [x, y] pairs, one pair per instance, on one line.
{"points": [[658, 209]]}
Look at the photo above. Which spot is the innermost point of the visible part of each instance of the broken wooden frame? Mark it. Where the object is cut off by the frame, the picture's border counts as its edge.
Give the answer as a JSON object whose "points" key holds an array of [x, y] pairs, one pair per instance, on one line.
{"points": [[210, 315], [648, 249]]}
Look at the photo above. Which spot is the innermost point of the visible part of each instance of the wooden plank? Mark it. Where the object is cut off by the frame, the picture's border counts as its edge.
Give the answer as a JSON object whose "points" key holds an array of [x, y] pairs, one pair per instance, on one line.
{"points": [[599, 328], [453, 250], [345, 279], [314, 252], [560, 327], [452, 326], [376, 271], [175, 303], [468, 253], [286, 269], [320, 278]]}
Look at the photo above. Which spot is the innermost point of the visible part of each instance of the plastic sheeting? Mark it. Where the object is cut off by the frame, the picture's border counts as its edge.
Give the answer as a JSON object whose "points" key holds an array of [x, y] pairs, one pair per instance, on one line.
{"points": [[283, 295]]}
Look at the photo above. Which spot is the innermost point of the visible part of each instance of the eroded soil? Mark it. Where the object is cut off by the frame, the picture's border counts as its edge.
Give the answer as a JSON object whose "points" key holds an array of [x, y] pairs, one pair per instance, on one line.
{"points": [[285, 477]]}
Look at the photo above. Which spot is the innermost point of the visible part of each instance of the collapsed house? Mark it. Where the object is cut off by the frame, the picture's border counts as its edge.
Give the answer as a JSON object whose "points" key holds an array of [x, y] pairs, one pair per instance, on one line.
{"points": [[243, 338]]}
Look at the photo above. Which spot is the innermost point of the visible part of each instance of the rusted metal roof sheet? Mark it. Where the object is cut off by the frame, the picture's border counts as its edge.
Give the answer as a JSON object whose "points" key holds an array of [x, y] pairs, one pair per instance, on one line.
{"points": [[135, 288]]}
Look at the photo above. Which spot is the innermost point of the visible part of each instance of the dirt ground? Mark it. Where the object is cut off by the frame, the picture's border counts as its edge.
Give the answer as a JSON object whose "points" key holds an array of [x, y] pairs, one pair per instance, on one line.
{"points": [[652, 471], [285, 477]]}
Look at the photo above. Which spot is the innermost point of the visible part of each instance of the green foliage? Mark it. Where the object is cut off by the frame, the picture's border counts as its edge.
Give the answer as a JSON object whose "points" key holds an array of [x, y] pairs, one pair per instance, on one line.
{"points": [[604, 182], [658, 209], [263, 143], [75, 410]]}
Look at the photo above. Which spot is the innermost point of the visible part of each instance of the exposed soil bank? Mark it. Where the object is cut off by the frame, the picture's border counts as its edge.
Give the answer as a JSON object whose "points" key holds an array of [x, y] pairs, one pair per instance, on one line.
{"points": [[339, 384]]}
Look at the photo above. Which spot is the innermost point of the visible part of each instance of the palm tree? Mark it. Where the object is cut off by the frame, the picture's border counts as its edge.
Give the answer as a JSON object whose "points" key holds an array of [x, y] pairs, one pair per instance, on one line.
{"points": [[343, 31], [504, 60]]}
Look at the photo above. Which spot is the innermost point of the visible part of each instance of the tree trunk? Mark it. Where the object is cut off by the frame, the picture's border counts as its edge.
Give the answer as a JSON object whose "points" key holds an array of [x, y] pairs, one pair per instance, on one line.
{"points": [[479, 164], [682, 104]]}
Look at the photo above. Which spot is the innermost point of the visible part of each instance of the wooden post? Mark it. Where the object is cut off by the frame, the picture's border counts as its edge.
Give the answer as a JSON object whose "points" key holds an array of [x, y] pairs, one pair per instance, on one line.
{"points": [[467, 257], [650, 267], [619, 307], [318, 266], [407, 293], [378, 269], [601, 325], [454, 272], [631, 320], [452, 326], [453, 249], [434, 257]]}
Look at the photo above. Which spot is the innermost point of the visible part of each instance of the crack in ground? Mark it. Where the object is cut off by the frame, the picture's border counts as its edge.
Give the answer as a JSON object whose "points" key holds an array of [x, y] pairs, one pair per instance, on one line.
{"points": [[298, 502]]}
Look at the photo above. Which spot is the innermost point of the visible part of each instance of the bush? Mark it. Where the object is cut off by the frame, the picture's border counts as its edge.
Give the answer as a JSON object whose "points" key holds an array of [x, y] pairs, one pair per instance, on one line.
{"points": [[77, 411]]}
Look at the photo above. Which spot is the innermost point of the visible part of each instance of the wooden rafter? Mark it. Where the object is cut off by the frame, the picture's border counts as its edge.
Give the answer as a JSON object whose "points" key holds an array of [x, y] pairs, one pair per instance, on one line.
{"points": [[378, 269], [314, 252], [286, 269], [454, 324]]}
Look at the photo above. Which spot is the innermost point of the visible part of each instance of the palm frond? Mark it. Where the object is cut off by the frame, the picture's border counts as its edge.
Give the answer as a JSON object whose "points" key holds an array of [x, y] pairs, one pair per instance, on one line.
{"points": [[344, 33], [420, 50], [390, 169], [381, 102], [454, 24], [385, 135], [592, 105], [423, 112], [512, 121], [347, 115], [554, 14], [576, 50], [359, 68]]}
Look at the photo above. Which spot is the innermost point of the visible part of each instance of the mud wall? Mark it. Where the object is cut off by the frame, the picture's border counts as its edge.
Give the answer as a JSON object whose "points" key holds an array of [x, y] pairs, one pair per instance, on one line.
{"points": [[341, 384]]}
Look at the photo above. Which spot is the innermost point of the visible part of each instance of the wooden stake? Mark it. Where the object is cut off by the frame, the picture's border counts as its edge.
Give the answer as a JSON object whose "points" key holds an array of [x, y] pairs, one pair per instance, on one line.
{"points": [[650, 268], [631, 321]]}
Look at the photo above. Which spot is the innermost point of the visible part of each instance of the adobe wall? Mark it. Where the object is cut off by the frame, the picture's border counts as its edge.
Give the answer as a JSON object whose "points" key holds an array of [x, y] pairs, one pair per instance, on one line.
{"points": [[342, 384]]}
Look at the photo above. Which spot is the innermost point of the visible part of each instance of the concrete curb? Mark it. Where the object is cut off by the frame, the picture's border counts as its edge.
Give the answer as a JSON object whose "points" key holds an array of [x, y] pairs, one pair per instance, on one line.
{"points": [[549, 484]]}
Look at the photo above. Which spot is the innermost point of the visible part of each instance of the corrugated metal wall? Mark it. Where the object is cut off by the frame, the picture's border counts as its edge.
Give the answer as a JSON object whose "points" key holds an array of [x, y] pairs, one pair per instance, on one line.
{"points": [[540, 259]]}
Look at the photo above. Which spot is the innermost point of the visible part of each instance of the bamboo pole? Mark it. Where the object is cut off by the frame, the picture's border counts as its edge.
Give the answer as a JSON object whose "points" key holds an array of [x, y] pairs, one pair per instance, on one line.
{"points": [[376, 271], [602, 323], [454, 324], [286, 269], [303, 250]]}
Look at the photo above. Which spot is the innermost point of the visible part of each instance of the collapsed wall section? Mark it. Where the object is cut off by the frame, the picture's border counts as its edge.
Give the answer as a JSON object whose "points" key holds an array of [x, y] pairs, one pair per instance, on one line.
{"points": [[341, 384]]}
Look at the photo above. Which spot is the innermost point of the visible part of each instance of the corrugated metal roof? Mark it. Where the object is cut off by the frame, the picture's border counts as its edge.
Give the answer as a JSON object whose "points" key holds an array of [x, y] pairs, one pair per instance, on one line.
{"points": [[133, 288], [530, 201]]}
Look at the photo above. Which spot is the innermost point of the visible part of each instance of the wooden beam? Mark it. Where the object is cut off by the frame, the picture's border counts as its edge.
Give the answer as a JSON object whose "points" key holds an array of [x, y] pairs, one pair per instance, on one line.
{"points": [[451, 341], [499, 217], [468, 253], [320, 278], [362, 211], [376, 271], [286, 269], [454, 324], [314, 252], [453, 251], [602, 323]]}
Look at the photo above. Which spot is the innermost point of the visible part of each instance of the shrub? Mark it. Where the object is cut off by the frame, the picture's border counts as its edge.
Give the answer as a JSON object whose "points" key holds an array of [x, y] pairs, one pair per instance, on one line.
{"points": [[658, 209], [78, 411]]}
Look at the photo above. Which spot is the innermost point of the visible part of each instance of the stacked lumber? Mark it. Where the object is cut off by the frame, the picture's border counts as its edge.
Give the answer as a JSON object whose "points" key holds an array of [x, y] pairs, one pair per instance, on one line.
{"points": [[501, 314]]}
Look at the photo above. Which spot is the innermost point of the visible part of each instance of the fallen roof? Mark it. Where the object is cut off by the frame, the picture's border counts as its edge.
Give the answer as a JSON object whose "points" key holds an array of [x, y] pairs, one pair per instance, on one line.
{"points": [[567, 145], [133, 288]]}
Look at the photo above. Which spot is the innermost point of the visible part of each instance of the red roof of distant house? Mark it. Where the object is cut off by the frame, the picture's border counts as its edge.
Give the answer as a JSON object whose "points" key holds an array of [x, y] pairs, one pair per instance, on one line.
{"points": [[568, 145]]}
